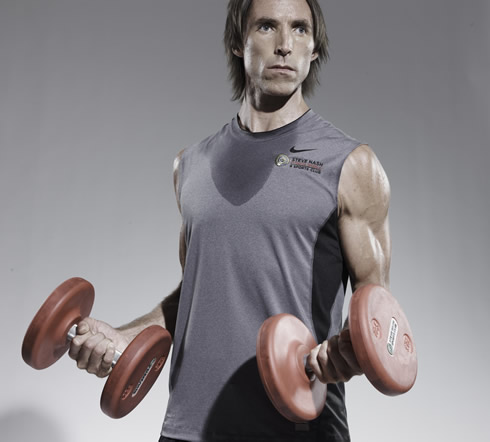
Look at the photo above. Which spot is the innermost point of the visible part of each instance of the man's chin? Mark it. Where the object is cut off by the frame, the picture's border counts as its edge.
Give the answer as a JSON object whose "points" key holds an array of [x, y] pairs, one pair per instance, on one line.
{"points": [[280, 90]]}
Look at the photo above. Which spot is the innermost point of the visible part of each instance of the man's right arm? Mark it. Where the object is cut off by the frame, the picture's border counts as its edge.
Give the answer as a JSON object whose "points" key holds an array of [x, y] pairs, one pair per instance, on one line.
{"points": [[94, 346]]}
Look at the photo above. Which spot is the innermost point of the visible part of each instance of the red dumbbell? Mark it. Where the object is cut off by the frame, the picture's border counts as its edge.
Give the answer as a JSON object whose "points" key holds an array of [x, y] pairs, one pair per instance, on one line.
{"points": [[381, 338], [134, 371]]}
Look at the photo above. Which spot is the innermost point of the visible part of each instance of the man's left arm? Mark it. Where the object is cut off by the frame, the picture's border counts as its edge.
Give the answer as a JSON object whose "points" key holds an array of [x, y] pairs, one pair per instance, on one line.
{"points": [[363, 201]]}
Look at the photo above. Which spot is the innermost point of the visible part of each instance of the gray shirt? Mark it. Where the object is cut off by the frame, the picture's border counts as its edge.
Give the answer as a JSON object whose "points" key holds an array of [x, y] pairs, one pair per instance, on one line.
{"points": [[260, 218]]}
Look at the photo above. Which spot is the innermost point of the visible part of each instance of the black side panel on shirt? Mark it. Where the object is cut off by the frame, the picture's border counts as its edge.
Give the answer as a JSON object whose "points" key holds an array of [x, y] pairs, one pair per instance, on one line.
{"points": [[329, 280]]}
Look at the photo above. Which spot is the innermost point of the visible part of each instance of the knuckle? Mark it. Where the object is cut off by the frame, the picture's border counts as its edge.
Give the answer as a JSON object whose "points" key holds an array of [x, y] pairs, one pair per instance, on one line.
{"points": [[102, 373], [103, 346], [89, 346], [323, 357], [345, 335], [333, 342], [314, 351], [345, 378], [343, 347], [321, 377], [97, 354], [73, 354], [311, 359], [98, 351], [332, 351], [81, 365]]}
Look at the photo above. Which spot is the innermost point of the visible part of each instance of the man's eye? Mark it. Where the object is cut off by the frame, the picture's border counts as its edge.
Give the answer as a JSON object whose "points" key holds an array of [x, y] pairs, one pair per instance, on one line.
{"points": [[265, 27], [301, 29]]}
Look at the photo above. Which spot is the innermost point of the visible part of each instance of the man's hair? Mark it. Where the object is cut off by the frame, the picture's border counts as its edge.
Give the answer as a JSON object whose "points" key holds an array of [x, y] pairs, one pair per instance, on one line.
{"points": [[235, 29]]}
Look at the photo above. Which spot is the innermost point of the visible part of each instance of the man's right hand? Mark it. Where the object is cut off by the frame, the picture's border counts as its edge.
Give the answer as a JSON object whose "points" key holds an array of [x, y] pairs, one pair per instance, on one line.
{"points": [[94, 346]]}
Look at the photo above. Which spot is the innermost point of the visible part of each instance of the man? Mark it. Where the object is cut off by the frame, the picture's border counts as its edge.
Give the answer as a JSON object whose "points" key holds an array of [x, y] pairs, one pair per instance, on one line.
{"points": [[279, 207]]}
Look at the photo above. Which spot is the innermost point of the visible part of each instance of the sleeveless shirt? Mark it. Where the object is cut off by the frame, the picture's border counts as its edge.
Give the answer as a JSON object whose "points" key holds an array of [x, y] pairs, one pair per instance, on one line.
{"points": [[259, 213]]}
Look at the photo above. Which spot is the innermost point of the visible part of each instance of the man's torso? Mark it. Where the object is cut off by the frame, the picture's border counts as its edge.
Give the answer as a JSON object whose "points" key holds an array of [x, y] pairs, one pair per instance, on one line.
{"points": [[260, 219]]}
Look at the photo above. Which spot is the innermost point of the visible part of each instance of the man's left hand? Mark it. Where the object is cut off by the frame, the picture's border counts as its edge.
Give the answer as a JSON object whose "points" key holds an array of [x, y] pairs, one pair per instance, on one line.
{"points": [[334, 360]]}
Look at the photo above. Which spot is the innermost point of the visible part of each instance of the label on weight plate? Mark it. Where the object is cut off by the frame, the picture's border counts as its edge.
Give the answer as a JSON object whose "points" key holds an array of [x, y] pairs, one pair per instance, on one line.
{"points": [[390, 345], [145, 374]]}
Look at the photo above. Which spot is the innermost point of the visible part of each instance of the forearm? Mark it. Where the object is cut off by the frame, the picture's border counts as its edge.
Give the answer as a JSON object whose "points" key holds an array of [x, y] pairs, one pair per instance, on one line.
{"points": [[154, 317], [164, 314], [367, 253]]}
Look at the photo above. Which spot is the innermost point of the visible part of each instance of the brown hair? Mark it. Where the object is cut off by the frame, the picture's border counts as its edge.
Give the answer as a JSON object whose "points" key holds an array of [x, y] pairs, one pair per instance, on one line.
{"points": [[236, 25]]}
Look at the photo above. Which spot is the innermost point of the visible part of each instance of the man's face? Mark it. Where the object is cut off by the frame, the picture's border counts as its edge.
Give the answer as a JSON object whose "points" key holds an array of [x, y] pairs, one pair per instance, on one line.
{"points": [[278, 46]]}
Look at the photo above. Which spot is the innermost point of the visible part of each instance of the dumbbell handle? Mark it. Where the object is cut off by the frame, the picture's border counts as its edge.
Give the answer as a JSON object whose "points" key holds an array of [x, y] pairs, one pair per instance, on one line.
{"points": [[73, 332]]}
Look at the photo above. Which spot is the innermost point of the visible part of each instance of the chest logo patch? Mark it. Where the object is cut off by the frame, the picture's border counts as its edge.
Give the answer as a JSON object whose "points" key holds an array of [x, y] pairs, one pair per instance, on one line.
{"points": [[282, 160], [299, 163]]}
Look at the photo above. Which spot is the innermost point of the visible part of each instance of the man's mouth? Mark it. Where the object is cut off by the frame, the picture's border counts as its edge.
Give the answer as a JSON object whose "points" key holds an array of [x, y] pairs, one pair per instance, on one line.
{"points": [[282, 67]]}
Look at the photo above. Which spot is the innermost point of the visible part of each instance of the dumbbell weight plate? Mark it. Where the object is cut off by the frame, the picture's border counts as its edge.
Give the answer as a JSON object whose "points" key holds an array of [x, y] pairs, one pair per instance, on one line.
{"points": [[46, 338], [382, 340], [135, 371], [282, 343]]}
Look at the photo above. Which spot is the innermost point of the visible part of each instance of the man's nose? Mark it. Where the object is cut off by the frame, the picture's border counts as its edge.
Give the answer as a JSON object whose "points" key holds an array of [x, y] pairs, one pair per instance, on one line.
{"points": [[284, 43]]}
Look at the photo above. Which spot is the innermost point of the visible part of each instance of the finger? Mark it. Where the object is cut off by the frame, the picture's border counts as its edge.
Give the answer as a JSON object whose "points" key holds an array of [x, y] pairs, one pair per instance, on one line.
{"points": [[106, 363], [83, 327], [339, 368], [97, 355], [345, 335], [87, 348], [347, 351], [77, 343], [319, 361], [312, 363]]}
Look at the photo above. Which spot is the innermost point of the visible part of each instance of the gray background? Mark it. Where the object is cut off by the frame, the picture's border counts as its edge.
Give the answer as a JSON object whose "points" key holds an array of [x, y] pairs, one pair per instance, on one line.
{"points": [[97, 97]]}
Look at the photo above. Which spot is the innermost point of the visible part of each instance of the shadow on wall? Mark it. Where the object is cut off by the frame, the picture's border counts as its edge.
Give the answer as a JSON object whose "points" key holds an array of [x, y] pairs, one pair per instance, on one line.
{"points": [[25, 425]]}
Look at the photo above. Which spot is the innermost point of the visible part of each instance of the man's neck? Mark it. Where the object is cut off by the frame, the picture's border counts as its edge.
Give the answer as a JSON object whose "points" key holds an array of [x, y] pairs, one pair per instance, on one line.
{"points": [[268, 113]]}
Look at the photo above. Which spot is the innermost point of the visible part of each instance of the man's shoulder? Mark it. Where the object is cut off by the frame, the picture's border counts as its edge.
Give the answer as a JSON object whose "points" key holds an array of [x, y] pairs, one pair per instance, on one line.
{"points": [[205, 142], [363, 184], [189, 151], [321, 128]]}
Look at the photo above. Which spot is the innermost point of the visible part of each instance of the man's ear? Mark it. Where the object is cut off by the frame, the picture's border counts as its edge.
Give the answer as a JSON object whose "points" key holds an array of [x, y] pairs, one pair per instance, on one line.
{"points": [[238, 52], [314, 56]]}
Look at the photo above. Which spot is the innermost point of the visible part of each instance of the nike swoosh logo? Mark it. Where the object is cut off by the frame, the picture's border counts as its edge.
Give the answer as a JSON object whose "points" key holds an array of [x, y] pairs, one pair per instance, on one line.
{"points": [[293, 150]]}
